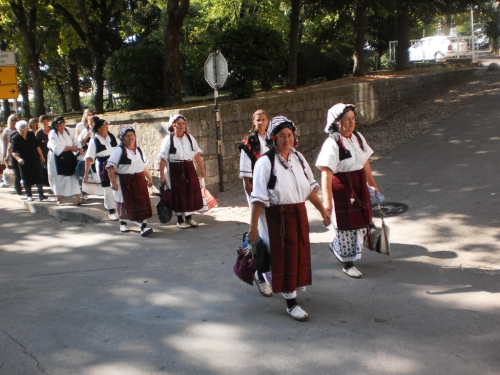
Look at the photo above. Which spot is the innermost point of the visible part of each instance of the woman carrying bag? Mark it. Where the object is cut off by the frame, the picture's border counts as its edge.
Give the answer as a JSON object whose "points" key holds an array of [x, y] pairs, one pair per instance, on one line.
{"points": [[178, 152]]}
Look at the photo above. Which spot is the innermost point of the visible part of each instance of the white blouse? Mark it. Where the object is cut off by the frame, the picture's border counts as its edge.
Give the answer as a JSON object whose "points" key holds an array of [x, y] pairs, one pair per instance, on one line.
{"points": [[329, 155], [57, 141], [136, 166], [91, 151], [246, 163], [292, 184], [184, 151]]}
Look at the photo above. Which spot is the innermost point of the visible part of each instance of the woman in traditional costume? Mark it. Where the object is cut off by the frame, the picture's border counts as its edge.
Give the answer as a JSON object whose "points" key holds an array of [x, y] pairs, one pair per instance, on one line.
{"points": [[252, 147], [24, 148], [130, 178], [62, 162], [346, 174], [98, 152], [282, 182], [178, 152]]}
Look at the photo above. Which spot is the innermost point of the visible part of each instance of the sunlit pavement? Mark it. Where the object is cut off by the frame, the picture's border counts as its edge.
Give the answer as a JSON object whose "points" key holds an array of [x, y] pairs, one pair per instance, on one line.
{"points": [[83, 298]]}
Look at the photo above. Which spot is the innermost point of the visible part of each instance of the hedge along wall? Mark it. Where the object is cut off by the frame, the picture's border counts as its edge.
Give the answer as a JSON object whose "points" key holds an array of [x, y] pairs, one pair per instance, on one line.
{"points": [[307, 108]]}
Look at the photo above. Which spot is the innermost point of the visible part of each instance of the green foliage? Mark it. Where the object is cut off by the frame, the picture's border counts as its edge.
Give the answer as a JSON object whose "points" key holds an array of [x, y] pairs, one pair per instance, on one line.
{"points": [[254, 53], [313, 63], [136, 74]]}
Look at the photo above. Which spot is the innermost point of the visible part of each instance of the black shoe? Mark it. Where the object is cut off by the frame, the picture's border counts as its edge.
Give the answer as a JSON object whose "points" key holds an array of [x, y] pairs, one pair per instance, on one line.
{"points": [[42, 197]]}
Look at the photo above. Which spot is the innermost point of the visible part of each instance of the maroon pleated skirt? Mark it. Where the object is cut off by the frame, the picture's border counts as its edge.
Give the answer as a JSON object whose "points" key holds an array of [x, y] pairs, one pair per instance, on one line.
{"points": [[186, 190], [136, 205], [353, 215], [289, 246]]}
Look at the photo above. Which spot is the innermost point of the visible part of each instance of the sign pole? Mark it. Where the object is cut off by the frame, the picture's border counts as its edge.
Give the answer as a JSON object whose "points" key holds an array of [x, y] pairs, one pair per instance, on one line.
{"points": [[218, 126], [216, 73]]}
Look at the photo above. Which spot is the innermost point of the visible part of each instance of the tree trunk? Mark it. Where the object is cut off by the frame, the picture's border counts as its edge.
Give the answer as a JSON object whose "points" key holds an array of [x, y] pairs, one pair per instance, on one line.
{"points": [[359, 51], [26, 99], [172, 80], [74, 92], [60, 91], [402, 57], [98, 77], [447, 25], [27, 24], [6, 109], [293, 46]]}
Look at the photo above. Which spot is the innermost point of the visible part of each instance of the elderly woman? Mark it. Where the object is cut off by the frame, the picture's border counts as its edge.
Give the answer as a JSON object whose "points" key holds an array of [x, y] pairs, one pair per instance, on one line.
{"points": [[128, 171], [345, 176], [282, 182], [252, 147], [7, 157], [61, 162], [99, 149], [177, 152], [25, 150]]}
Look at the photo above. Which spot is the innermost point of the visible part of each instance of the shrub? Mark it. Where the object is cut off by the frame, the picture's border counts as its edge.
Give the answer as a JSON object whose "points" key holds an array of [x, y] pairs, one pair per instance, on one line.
{"points": [[136, 73], [254, 53], [312, 62]]}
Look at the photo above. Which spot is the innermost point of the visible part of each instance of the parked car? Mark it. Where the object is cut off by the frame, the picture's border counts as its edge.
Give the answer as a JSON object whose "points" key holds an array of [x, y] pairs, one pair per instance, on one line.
{"points": [[437, 48]]}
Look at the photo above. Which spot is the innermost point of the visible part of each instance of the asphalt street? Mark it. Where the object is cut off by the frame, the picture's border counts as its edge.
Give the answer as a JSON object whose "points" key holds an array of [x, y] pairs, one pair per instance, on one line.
{"points": [[84, 299]]}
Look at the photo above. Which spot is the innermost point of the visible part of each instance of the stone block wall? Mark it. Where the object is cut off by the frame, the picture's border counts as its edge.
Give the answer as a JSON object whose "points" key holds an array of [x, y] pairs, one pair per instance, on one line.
{"points": [[307, 108]]}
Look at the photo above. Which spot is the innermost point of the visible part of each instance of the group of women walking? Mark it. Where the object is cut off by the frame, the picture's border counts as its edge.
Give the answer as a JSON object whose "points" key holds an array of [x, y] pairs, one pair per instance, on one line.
{"points": [[279, 181]]}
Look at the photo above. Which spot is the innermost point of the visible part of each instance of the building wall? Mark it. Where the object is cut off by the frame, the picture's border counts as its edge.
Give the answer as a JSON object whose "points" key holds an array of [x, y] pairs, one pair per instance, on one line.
{"points": [[307, 108]]}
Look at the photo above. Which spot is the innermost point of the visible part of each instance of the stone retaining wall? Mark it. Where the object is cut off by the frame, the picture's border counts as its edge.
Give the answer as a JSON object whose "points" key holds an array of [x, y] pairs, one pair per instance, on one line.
{"points": [[306, 107]]}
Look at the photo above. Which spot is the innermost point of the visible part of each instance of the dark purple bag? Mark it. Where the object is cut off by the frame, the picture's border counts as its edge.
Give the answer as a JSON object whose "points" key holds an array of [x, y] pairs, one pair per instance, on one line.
{"points": [[245, 266], [166, 195]]}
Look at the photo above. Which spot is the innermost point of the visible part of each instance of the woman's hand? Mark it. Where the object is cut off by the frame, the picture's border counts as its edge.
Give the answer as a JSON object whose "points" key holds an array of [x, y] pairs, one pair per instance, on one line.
{"points": [[150, 183], [163, 179], [327, 218], [42, 159], [86, 177], [202, 174], [114, 186], [253, 235], [328, 207], [20, 161]]}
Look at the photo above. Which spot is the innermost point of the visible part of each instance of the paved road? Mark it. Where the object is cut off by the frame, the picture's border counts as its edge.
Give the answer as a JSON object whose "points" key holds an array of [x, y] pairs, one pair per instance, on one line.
{"points": [[84, 299]]}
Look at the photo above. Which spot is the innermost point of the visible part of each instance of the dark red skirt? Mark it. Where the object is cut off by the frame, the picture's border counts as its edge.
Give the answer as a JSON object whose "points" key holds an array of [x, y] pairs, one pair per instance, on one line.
{"points": [[136, 205], [186, 190], [290, 253], [351, 216]]}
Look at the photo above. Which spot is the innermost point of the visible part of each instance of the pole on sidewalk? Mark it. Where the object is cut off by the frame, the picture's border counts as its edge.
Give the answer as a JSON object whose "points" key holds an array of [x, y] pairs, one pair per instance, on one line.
{"points": [[218, 126]]}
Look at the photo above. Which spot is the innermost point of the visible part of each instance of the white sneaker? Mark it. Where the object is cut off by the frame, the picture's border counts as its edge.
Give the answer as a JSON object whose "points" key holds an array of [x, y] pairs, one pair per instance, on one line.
{"points": [[262, 286], [353, 272], [297, 313], [146, 232], [124, 228], [192, 223], [113, 217], [183, 225]]}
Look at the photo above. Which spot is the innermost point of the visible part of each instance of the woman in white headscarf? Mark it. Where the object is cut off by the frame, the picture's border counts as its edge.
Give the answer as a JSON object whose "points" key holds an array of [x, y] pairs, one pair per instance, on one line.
{"points": [[282, 182], [130, 178], [346, 174], [62, 162], [177, 152]]}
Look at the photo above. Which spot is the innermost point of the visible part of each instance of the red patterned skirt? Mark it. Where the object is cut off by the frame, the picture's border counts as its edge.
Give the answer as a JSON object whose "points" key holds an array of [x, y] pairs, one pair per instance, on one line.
{"points": [[136, 205], [347, 185], [289, 246], [186, 190]]}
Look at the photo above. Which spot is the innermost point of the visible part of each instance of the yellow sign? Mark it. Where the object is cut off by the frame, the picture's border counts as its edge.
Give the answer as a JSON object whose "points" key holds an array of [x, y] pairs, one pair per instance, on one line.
{"points": [[8, 82]]}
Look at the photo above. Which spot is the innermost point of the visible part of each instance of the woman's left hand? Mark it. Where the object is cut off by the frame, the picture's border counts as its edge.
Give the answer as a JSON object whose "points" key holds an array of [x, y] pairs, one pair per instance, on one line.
{"points": [[202, 174], [42, 159], [150, 183], [327, 219]]}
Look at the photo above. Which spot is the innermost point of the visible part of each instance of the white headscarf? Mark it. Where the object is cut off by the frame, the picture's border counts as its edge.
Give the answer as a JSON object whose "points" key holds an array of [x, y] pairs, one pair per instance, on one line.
{"points": [[334, 115]]}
